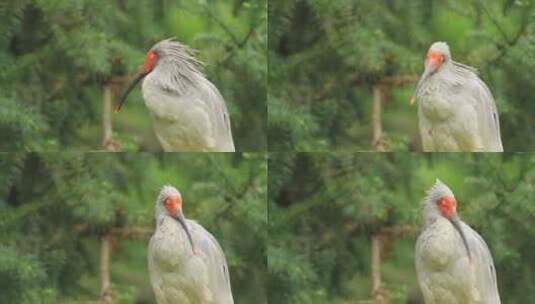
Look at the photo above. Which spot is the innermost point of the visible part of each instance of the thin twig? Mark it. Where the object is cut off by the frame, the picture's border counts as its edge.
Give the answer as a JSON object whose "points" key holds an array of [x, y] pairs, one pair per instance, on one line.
{"points": [[495, 22], [223, 26], [132, 232]]}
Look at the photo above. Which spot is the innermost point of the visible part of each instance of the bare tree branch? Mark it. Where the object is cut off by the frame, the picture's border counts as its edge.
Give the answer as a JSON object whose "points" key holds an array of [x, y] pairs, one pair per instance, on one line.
{"points": [[398, 80], [132, 232], [222, 25]]}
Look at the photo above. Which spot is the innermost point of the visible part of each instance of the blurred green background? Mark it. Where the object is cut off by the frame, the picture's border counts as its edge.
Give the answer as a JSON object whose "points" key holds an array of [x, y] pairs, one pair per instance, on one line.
{"points": [[326, 56], [56, 56], [54, 208], [324, 209]]}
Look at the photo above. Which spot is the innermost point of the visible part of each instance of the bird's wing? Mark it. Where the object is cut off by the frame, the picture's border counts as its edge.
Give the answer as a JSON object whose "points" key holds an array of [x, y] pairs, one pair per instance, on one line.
{"points": [[488, 120], [209, 250], [485, 273], [422, 276], [220, 117]]}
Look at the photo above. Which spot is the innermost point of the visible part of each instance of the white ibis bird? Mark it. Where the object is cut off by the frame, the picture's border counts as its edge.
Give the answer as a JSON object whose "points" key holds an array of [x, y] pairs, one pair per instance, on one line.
{"points": [[188, 112], [186, 264], [453, 262], [456, 111]]}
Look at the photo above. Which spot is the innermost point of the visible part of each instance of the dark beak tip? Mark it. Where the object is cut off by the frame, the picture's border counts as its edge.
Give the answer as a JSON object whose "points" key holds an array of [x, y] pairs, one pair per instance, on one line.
{"points": [[130, 87]]}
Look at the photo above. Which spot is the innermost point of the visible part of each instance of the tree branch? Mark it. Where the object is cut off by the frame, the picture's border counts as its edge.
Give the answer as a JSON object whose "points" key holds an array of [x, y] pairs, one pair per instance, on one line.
{"points": [[397, 80], [132, 232], [222, 25], [514, 41], [399, 231]]}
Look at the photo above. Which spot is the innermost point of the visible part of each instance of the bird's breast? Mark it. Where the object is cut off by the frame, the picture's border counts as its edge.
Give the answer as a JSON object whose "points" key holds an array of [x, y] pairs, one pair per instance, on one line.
{"points": [[169, 245], [436, 103], [162, 104], [181, 122], [439, 245], [443, 267]]}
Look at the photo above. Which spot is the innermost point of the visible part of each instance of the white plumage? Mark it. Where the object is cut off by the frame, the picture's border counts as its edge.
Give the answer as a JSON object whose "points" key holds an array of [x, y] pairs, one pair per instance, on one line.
{"points": [[456, 110], [187, 110], [448, 271], [180, 273]]}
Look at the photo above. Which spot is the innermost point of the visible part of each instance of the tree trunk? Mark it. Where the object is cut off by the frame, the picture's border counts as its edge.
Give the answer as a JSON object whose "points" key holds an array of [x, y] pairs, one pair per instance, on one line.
{"points": [[377, 125], [105, 290], [107, 125], [377, 292]]}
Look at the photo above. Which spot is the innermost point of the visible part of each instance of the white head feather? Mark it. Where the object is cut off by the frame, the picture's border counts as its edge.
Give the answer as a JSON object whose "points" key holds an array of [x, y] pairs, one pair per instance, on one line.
{"points": [[167, 191], [177, 69], [436, 192], [441, 47]]}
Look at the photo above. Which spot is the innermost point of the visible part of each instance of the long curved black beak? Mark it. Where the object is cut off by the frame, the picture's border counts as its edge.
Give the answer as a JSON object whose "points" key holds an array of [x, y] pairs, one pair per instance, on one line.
{"points": [[457, 224], [130, 87], [180, 218]]}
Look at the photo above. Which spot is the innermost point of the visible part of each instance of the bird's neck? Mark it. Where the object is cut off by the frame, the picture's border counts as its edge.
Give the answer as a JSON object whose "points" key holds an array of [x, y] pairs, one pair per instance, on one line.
{"points": [[178, 77], [431, 214], [171, 227]]}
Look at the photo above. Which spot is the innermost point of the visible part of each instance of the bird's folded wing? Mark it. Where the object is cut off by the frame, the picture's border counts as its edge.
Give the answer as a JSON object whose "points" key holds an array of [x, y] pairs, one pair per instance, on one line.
{"points": [[483, 266], [208, 248], [488, 120], [220, 117]]}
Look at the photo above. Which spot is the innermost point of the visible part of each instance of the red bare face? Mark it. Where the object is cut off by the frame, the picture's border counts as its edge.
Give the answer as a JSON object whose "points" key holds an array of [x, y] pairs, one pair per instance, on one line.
{"points": [[447, 206], [435, 59], [173, 204], [150, 61]]}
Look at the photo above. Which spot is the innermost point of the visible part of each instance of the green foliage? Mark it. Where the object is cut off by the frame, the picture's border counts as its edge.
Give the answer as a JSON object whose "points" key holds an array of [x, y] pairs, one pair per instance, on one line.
{"points": [[324, 208], [55, 57], [23, 279], [325, 57], [55, 207]]}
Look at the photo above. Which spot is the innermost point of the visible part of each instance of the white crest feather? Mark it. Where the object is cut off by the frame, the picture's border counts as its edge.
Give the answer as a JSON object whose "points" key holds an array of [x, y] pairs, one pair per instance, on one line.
{"points": [[438, 190], [166, 192], [177, 67], [442, 47]]}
